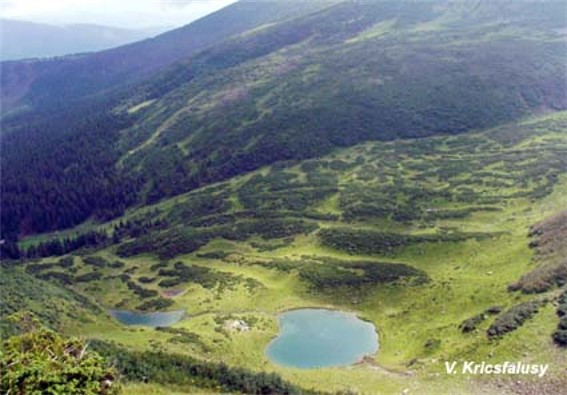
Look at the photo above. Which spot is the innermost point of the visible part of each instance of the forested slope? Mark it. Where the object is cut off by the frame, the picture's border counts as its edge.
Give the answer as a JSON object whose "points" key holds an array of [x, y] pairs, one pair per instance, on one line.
{"points": [[449, 245], [296, 89], [32, 84]]}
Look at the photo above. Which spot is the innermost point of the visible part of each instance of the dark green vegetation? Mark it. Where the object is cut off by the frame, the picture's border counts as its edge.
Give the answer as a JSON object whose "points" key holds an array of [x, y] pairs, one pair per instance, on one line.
{"points": [[332, 274], [29, 85], [201, 275], [267, 204], [548, 241], [327, 274], [313, 233], [348, 73], [179, 369], [54, 306], [177, 241], [361, 242], [471, 324], [66, 147], [560, 334], [40, 361], [514, 318], [183, 336], [85, 241], [383, 158]]}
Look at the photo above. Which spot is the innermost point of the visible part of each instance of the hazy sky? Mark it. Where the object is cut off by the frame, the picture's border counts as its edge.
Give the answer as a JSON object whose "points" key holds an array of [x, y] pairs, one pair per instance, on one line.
{"points": [[121, 13]]}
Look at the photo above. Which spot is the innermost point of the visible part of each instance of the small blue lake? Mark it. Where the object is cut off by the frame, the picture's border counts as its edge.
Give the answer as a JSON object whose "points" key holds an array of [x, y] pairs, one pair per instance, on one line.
{"points": [[148, 319], [315, 338]]}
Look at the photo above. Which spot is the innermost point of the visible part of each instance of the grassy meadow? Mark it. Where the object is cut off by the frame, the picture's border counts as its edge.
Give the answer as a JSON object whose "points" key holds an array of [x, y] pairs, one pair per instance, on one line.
{"points": [[415, 236]]}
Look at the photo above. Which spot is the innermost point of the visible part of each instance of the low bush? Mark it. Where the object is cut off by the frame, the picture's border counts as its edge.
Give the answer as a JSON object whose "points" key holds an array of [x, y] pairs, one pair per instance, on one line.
{"points": [[146, 280], [173, 242], [88, 277], [140, 291], [547, 238], [208, 278], [562, 305], [214, 255], [34, 268], [155, 304], [158, 265], [63, 278], [183, 336], [560, 337], [471, 324], [327, 273], [542, 278], [335, 273], [116, 265], [372, 242], [166, 368], [513, 318], [95, 261], [40, 361], [560, 334], [66, 262]]}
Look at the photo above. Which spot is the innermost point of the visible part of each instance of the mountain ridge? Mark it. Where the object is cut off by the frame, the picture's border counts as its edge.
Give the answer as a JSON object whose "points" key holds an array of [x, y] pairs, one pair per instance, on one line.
{"points": [[24, 40], [402, 162], [77, 78]]}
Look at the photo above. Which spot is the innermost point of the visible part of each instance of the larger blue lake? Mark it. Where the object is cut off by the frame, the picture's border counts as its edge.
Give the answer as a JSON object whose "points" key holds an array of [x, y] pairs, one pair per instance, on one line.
{"points": [[148, 319], [315, 338]]}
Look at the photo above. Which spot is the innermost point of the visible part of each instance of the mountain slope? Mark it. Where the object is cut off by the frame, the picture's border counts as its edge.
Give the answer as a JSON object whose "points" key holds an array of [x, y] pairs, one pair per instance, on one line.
{"points": [[58, 308], [30, 84], [405, 162], [421, 237], [348, 73], [21, 39], [344, 75]]}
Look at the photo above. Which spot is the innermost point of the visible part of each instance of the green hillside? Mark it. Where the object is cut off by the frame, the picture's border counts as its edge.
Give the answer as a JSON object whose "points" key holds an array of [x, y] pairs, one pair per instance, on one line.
{"points": [[57, 308], [423, 238], [293, 89], [403, 161]]}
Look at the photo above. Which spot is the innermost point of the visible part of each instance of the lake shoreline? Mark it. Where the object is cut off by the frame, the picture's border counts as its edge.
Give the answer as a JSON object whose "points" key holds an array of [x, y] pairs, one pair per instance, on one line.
{"points": [[149, 319], [315, 338]]}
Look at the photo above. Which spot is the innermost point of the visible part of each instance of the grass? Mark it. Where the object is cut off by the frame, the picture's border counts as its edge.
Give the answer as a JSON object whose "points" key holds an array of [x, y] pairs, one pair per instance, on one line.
{"points": [[140, 106], [418, 324], [156, 389]]}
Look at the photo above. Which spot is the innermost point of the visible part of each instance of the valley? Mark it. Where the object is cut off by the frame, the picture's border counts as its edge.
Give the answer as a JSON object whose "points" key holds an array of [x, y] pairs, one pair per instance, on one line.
{"points": [[401, 233], [335, 197]]}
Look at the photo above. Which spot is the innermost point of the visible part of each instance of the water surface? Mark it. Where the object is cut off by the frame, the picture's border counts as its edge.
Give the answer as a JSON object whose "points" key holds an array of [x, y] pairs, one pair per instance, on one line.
{"points": [[148, 319], [313, 338]]}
